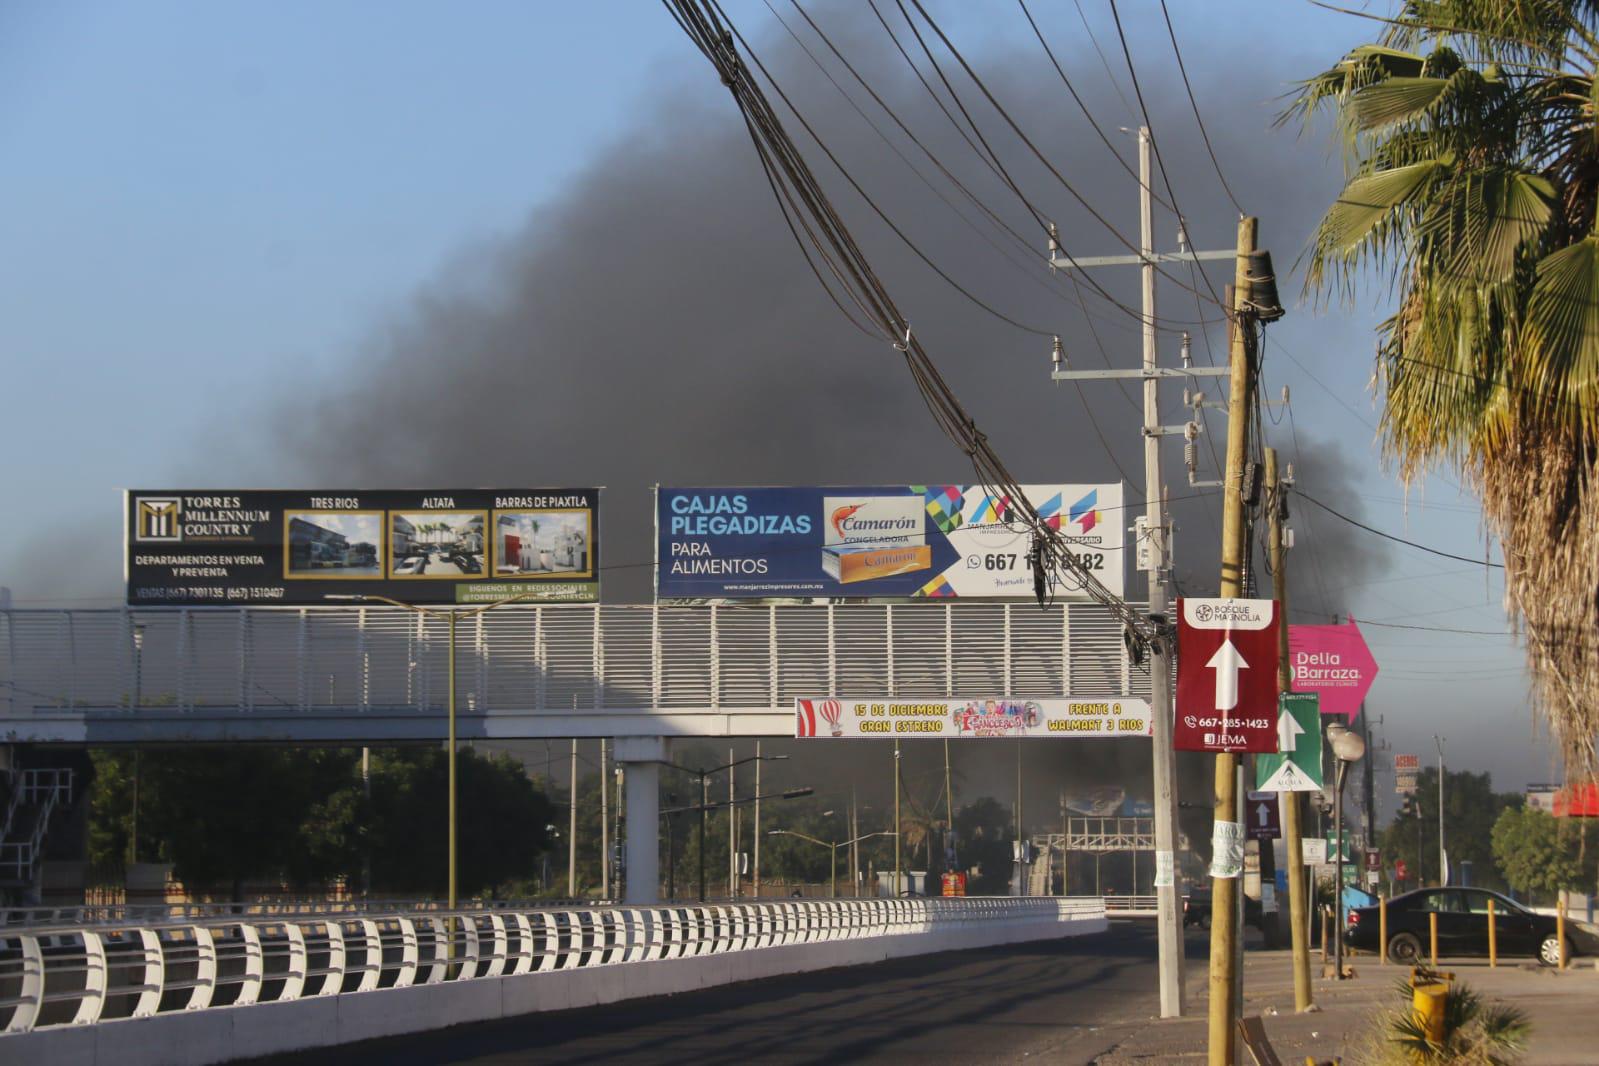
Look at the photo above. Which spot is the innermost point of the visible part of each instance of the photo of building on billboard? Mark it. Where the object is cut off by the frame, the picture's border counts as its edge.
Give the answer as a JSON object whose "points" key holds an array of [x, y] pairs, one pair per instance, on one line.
{"points": [[543, 543], [436, 544], [332, 545]]}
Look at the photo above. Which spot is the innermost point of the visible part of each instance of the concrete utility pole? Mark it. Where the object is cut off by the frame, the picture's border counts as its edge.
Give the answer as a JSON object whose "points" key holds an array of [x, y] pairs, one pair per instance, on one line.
{"points": [[1289, 802], [571, 827], [1153, 537], [1225, 975]]}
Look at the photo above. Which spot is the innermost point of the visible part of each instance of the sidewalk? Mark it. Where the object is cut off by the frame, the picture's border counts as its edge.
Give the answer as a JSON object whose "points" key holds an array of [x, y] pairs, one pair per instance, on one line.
{"points": [[1563, 1009]]}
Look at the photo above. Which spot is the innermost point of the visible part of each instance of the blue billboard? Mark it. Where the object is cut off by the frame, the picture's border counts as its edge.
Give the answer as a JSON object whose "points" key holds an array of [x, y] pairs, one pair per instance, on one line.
{"points": [[873, 542]]}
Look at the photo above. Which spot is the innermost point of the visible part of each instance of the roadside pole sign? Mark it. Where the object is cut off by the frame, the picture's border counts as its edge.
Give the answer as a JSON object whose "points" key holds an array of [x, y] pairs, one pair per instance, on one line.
{"points": [[1297, 765], [1314, 850], [1262, 816], [1334, 662], [1373, 859], [1406, 767], [1226, 675], [1401, 871]]}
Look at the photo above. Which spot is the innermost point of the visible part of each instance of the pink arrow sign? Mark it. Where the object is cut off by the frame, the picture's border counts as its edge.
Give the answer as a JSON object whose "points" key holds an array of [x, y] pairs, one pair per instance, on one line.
{"points": [[1334, 662]]}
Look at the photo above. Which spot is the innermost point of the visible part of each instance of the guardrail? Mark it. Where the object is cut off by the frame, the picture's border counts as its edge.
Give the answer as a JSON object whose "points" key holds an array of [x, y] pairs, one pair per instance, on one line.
{"points": [[96, 914], [61, 977]]}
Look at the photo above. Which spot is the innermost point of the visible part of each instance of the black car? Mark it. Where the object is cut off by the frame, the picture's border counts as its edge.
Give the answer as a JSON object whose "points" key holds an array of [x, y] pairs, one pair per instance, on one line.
{"points": [[1462, 927], [1196, 910]]}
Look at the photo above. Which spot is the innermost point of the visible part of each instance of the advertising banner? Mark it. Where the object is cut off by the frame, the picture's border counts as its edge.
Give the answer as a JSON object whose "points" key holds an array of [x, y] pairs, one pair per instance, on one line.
{"points": [[1334, 662], [841, 717], [220, 548], [1226, 675], [874, 542]]}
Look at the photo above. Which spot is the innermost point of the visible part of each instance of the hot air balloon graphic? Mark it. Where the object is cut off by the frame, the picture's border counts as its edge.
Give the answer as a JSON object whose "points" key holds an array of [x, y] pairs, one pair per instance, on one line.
{"points": [[831, 712]]}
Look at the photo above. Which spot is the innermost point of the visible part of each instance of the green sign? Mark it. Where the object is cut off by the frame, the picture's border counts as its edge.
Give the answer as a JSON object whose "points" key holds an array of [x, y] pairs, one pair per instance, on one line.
{"points": [[1297, 765]]}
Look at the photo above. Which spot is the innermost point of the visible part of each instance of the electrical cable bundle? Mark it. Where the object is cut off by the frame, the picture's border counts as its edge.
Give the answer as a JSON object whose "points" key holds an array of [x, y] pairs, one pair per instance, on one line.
{"points": [[831, 248]]}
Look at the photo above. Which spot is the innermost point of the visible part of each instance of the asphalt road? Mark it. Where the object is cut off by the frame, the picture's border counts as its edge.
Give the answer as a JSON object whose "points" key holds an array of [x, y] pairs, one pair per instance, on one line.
{"points": [[1065, 1001]]}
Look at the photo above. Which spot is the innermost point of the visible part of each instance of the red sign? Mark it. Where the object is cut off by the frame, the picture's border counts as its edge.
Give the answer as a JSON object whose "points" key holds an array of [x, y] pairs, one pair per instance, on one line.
{"points": [[1407, 764], [1579, 802], [1261, 815], [1401, 871], [954, 884], [1226, 675]]}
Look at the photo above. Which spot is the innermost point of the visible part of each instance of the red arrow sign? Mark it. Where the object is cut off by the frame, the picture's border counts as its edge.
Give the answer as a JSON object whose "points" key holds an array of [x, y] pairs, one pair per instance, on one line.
{"points": [[1226, 675]]}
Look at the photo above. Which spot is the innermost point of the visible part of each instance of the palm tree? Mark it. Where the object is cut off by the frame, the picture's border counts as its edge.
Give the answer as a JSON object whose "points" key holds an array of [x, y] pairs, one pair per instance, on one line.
{"points": [[1473, 168]]}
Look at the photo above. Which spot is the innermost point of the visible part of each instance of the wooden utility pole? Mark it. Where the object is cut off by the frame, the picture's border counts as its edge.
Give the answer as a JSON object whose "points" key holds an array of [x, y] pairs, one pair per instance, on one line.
{"points": [[1289, 802], [1225, 978]]}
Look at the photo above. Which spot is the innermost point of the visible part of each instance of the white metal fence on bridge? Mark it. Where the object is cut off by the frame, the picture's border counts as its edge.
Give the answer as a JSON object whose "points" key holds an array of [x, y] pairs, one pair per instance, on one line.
{"points": [[550, 659], [85, 974]]}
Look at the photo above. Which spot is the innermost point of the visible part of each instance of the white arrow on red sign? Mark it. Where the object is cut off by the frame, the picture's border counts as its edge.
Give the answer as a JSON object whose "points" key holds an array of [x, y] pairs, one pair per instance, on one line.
{"points": [[1227, 662]]}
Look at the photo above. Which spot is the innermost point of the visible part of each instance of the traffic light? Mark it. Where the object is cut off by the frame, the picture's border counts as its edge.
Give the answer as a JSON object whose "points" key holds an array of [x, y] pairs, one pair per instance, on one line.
{"points": [[1406, 807]]}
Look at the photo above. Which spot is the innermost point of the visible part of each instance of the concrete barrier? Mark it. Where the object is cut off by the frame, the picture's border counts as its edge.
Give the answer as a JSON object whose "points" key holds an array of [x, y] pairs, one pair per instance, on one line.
{"points": [[219, 1034]]}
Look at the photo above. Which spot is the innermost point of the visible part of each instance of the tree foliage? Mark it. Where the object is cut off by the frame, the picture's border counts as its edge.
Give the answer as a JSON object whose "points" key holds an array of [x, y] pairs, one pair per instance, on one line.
{"points": [[1540, 853], [227, 817], [1473, 171], [1471, 810]]}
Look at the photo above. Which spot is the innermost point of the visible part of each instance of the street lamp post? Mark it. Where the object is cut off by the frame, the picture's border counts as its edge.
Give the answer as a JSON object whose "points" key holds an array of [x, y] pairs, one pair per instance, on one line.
{"points": [[832, 846], [138, 699], [1348, 747], [451, 616], [1443, 855], [706, 805]]}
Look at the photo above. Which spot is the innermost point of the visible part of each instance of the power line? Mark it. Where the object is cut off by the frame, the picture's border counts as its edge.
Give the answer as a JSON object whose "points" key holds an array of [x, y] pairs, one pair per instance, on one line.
{"points": [[1033, 148], [1160, 161], [1397, 540], [1183, 70], [1084, 107]]}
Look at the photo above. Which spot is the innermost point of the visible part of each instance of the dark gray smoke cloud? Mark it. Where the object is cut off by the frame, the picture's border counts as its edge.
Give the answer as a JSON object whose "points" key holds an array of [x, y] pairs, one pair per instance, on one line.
{"points": [[656, 324]]}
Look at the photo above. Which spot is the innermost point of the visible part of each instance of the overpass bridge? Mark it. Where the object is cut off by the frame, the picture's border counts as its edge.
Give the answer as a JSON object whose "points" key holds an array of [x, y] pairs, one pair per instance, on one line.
{"points": [[640, 674], [378, 675]]}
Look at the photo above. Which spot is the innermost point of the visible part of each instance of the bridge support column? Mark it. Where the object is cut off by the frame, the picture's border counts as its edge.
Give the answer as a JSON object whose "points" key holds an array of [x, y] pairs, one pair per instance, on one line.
{"points": [[640, 759]]}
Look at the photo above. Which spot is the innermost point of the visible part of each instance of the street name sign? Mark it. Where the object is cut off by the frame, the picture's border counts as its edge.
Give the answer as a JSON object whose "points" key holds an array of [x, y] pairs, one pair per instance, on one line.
{"points": [[1226, 675], [1262, 817], [1296, 767]]}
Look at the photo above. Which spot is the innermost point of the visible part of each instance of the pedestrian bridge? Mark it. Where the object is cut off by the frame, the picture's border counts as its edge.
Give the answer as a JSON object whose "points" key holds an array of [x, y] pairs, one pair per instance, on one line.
{"points": [[215, 987], [382, 675]]}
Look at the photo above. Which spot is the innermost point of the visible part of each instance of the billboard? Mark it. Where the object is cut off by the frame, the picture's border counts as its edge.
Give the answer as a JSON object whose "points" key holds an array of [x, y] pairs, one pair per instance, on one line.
{"points": [[874, 542], [219, 548], [842, 717]]}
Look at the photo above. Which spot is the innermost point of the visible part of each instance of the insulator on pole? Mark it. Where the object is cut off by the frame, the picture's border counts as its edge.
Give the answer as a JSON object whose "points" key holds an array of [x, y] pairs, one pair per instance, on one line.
{"points": [[1057, 355], [1187, 351]]}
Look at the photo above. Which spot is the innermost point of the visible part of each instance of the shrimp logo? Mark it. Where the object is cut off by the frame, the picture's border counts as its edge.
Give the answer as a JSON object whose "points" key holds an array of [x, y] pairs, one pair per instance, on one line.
{"points": [[841, 515], [830, 714]]}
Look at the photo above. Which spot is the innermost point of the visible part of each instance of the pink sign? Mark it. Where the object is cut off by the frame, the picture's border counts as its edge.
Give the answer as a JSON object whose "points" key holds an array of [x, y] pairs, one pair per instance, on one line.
{"points": [[1334, 662]]}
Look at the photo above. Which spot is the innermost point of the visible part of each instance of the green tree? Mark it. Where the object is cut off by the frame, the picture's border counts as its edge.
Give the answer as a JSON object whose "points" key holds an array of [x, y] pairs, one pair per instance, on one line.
{"points": [[1539, 853], [1473, 174], [1471, 809], [300, 817], [984, 831]]}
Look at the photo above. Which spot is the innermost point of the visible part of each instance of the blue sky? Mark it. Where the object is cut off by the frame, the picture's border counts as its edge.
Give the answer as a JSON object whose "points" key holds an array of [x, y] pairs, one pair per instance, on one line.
{"points": [[209, 206]]}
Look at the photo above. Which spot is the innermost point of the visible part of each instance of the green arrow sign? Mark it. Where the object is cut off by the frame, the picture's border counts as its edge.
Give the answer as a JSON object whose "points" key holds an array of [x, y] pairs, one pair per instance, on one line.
{"points": [[1297, 765]]}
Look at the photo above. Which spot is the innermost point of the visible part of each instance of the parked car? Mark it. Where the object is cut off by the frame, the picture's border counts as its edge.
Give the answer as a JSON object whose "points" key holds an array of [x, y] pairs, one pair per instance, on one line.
{"points": [[1196, 909], [412, 564], [1463, 927]]}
